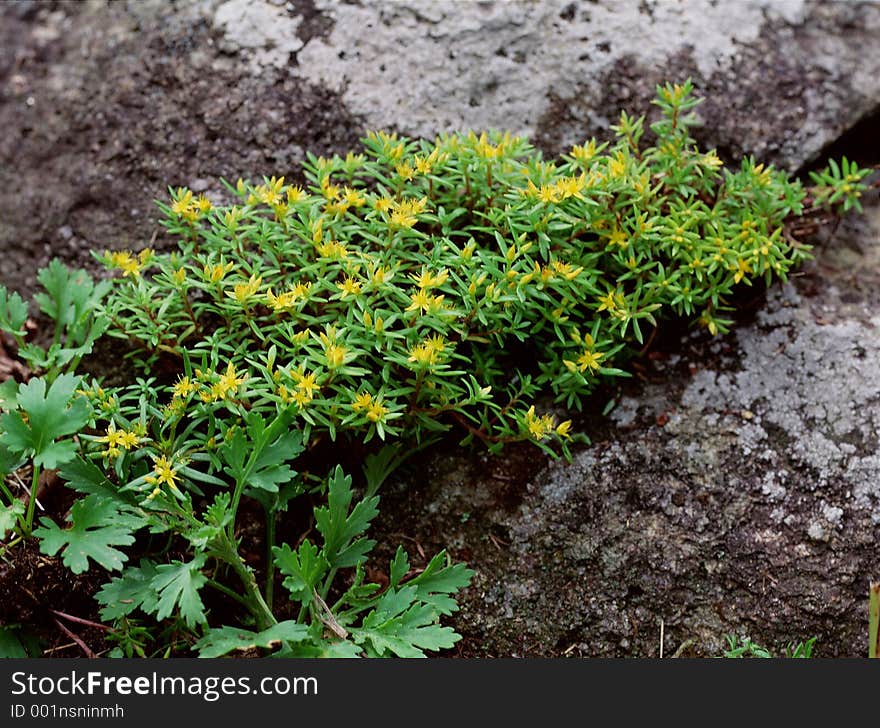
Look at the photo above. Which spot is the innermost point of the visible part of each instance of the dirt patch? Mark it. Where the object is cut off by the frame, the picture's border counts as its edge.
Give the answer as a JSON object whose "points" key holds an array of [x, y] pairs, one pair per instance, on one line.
{"points": [[103, 110]]}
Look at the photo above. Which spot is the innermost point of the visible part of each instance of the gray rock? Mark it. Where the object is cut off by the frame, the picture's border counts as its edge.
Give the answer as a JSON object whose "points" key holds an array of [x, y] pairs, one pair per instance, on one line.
{"points": [[267, 31], [783, 78]]}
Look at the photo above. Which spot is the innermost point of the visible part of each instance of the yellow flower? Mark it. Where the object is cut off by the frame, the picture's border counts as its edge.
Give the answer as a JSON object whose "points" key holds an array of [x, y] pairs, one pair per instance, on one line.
{"points": [[707, 321], [334, 354], [405, 170], [618, 237], [184, 387], [349, 287], [424, 165], [585, 153], [742, 267], [330, 191], [380, 275], [382, 204], [563, 429], [590, 360], [426, 279], [548, 193], [127, 439], [183, 202], [118, 440], [372, 408], [353, 197], [421, 301], [362, 401], [376, 411], [242, 292], [281, 302], [216, 273], [412, 206], [179, 276], [163, 472], [295, 194], [336, 208], [125, 261], [402, 220], [228, 382], [306, 383], [300, 337], [231, 217], [427, 352], [300, 397], [404, 214], [608, 302], [270, 193], [566, 270], [332, 249], [570, 187], [317, 228], [617, 166], [538, 427]]}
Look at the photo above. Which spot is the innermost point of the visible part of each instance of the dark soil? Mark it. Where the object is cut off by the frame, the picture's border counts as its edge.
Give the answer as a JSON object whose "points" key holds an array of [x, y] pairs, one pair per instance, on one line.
{"points": [[102, 113]]}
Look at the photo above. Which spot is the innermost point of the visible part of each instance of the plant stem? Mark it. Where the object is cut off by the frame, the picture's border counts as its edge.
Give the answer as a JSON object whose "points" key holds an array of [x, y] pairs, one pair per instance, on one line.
{"points": [[328, 582], [874, 621], [32, 502], [251, 598], [227, 591], [8, 546]]}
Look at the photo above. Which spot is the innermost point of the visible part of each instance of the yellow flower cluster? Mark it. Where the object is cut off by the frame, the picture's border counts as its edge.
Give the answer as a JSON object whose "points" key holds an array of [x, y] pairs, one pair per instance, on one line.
{"points": [[217, 272], [562, 189], [370, 406], [334, 353], [118, 440], [404, 213], [163, 473], [304, 388], [427, 352], [244, 292], [288, 299], [540, 426], [128, 263], [188, 207], [219, 386], [422, 301]]}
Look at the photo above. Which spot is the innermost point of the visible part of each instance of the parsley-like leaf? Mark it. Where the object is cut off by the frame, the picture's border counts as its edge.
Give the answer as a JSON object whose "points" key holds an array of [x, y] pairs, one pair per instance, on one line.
{"points": [[178, 587], [50, 415], [303, 569], [13, 312], [341, 529], [9, 516], [221, 641], [128, 592], [97, 525], [402, 625]]}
